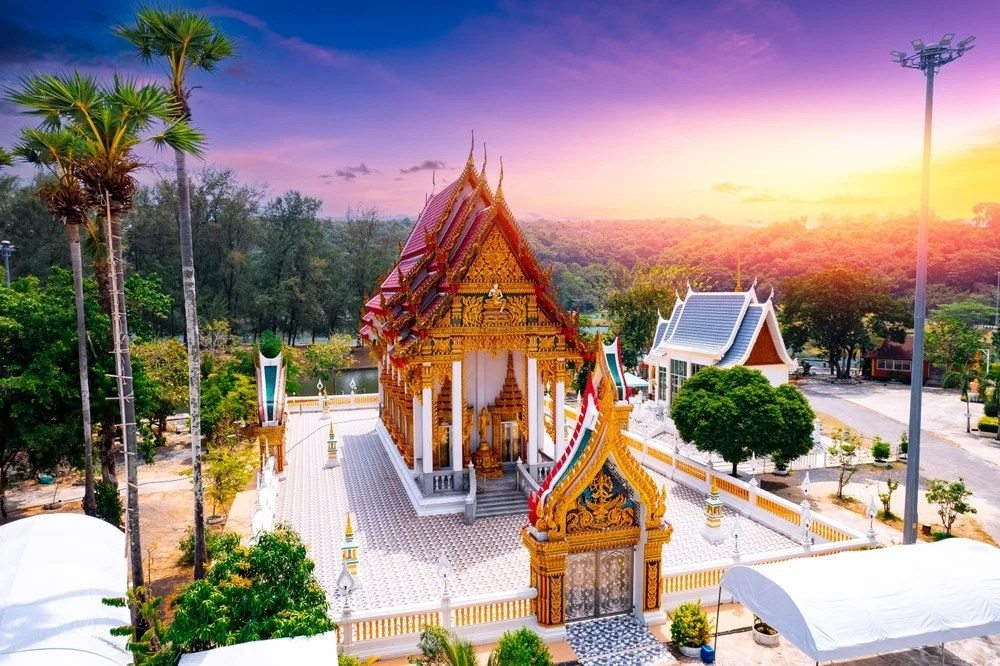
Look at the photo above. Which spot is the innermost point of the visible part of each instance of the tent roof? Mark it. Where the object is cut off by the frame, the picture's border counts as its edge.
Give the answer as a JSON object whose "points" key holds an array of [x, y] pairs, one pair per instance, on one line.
{"points": [[54, 571], [320, 649], [861, 603], [635, 382]]}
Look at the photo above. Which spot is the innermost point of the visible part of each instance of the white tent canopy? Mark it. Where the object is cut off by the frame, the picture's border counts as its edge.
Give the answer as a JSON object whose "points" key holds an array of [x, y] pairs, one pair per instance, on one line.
{"points": [[319, 649], [860, 603], [54, 571]]}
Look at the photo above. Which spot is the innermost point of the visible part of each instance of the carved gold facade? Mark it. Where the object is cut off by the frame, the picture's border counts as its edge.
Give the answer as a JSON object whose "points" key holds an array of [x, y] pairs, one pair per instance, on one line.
{"points": [[603, 499]]}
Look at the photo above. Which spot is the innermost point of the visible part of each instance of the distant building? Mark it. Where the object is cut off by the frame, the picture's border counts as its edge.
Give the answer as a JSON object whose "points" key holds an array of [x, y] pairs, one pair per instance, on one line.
{"points": [[894, 360], [721, 329]]}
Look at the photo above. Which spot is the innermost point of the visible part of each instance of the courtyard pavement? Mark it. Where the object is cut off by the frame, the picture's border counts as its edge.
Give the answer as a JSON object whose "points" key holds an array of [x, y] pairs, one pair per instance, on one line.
{"points": [[398, 551], [870, 409]]}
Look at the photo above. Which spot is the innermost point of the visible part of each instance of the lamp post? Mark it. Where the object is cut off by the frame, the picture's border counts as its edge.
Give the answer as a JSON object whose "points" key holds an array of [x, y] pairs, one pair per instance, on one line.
{"points": [[871, 512], [928, 59], [7, 248]]}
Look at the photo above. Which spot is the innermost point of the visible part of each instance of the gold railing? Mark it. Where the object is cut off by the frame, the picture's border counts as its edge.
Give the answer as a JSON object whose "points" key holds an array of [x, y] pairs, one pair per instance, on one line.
{"points": [[366, 399], [494, 612], [779, 510], [731, 488], [660, 455], [387, 627], [829, 532], [692, 580], [696, 472]]}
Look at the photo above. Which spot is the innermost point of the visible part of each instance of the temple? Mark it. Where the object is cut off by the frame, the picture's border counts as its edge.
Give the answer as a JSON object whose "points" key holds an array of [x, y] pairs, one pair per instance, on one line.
{"points": [[597, 525], [468, 334], [723, 329]]}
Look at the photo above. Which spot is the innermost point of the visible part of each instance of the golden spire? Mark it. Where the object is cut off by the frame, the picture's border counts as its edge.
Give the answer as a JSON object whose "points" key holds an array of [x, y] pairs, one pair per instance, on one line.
{"points": [[471, 162], [714, 490], [349, 530], [331, 430], [482, 172], [499, 194], [739, 271]]}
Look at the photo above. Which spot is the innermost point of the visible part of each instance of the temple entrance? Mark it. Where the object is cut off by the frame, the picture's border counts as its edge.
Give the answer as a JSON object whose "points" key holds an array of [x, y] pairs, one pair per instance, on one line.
{"points": [[509, 441], [598, 583]]}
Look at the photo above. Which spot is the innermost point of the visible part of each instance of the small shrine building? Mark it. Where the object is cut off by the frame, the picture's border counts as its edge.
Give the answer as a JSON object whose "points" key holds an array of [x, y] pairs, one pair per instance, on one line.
{"points": [[597, 526], [467, 333], [722, 329]]}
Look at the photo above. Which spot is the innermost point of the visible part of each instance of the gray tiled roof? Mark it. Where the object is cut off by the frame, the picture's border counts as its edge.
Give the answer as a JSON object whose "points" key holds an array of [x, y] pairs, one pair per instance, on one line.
{"points": [[661, 330], [707, 321], [741, 343], [675, 316]]}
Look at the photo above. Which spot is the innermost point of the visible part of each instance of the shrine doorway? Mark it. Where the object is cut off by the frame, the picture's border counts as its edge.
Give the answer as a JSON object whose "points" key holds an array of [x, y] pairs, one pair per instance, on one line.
{"points": [[599, 583]]}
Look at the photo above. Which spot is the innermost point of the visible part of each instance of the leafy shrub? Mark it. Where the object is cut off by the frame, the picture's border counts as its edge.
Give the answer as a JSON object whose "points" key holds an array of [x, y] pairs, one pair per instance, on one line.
{"points": [[521, 648], [215, 542], [228, 470], [345, 660], [990, 404], [109, 503], [435, 645], [881, 449], [904, 443], [690, 626], [952, 498], [988, 424]]}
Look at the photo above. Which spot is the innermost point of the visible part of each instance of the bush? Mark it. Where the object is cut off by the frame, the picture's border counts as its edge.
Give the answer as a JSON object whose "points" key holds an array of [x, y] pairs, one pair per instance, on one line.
{"points": [[881, 449], [109, 503], [904, 443], [990, 406], [521, 648], [228, 470], [215, 542], [988, 424], [690, 626]]}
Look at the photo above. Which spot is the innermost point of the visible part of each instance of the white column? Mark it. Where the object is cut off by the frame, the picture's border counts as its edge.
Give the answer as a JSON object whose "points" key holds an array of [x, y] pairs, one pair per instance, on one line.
{"points": [[532, 382], [540, 415], [457, 400], [417, 434], [559, 414], [426, 427]]}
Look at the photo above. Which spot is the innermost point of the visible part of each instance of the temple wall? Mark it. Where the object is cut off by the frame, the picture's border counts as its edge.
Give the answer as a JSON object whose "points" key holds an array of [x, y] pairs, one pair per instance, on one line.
{"points": [[484, 377]]}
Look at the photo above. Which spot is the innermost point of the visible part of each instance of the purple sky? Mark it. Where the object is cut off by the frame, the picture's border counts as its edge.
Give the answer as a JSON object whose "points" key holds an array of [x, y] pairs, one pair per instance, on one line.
{"points": [[742, 110]]}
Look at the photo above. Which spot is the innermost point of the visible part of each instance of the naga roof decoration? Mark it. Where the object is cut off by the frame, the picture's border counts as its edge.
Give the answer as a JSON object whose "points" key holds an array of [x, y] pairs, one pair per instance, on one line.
{"points": [[596, 441], [447, 238]]}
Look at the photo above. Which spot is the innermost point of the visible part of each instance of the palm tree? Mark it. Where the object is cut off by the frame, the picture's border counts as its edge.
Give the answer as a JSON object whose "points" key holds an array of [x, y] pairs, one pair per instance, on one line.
{"points": [[58, 152], [5, 159], [186, 40], [111, 121]]}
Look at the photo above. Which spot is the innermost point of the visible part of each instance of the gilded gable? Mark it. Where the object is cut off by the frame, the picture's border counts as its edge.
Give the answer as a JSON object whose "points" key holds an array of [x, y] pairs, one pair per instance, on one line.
{"points": [[495, 263]]}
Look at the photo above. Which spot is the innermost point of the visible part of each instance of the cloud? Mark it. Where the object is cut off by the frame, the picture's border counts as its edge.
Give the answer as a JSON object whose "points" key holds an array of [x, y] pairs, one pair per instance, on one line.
{"points": [[426, 165], [760, 198], [238, 70], [846, 200], [350, 173], [322, 54], [728, 188]]}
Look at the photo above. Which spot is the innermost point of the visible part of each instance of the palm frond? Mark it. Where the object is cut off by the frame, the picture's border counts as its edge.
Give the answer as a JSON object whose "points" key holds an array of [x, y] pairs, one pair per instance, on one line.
{"points": [[5, 158], [180, 135]]}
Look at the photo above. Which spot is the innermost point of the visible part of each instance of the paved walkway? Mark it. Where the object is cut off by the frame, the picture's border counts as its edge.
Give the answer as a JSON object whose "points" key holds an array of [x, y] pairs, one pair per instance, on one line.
{"points": [[616, 641], [399, 552], [939, 458]]}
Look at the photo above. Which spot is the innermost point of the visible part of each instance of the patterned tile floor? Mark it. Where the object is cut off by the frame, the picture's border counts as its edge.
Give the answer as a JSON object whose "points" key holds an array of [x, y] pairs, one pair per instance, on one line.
{"points": [[616, 641], [398, 551]]}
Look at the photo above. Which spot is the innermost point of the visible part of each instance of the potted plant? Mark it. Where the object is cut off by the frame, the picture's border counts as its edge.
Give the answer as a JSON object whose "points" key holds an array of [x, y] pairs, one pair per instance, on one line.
{"points": [[690, 628], [881, 452], [764, 634], [904, 443], [780, 465]]}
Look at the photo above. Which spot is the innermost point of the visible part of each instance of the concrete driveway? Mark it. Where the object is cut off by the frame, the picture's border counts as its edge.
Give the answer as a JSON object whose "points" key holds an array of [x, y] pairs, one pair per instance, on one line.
{"points": [[946, 452]]}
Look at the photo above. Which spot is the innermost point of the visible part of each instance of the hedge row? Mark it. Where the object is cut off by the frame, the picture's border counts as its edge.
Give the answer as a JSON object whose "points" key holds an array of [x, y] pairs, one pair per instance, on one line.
{"points": [[988, 424]]}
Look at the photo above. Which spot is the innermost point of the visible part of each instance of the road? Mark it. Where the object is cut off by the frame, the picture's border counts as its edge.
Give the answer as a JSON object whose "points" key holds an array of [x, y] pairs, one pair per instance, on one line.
{"points": [[939, 458]]}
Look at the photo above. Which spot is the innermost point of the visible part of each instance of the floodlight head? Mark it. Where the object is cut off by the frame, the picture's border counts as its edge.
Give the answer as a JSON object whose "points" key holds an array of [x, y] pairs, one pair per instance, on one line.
{"points": [[946, 40], [898, 55], [918, 45], [965, 42]]}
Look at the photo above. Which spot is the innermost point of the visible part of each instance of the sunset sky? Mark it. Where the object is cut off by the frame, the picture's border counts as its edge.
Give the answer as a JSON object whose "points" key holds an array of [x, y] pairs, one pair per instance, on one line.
{"points": [[741, 110]]}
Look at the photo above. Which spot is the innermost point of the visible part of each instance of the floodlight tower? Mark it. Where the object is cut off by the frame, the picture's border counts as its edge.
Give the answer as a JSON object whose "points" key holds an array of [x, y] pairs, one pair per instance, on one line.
{"points": [[928, 59]]}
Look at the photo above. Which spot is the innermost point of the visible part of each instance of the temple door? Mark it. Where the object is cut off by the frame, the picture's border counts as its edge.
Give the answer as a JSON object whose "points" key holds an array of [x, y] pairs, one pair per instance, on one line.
{"points": [[598, 583]]}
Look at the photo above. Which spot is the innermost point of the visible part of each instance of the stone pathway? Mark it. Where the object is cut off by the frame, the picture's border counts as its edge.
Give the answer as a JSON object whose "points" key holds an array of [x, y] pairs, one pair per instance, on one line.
{"points": [[616, 641]]}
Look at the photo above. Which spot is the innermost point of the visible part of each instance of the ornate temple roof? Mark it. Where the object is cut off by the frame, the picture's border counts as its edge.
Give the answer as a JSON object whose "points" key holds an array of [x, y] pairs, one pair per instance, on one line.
{"points": [[596, 440], [444, 241], [722, 325]]}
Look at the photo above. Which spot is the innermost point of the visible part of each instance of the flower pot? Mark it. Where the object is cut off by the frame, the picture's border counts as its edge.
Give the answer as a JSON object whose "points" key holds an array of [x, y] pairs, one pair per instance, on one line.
{"points": [[766, 640], [215, 520], [778, 471], [693, 652], [882, 463]]}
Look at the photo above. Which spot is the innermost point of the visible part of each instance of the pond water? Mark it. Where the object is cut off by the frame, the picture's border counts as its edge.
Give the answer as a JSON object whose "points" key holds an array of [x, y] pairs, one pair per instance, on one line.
{"points": [[366, 380]]}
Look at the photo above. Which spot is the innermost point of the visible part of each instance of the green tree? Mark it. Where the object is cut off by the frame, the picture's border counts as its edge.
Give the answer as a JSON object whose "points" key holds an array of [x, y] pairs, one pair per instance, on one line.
{"points": [[56, 151], [165, 363], [845, 450], [971, 312], [636, 298], [840, 310], [955, 345], [323, 358], [229, 470], [186, 41], [736, 412], [250, 593], [110, 123], [952, 498]]}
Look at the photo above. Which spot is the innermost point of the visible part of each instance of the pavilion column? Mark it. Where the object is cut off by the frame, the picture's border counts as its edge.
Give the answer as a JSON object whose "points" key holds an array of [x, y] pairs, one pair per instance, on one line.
{"points": [[559, 408], [540, 413], [426, 420], [456, 416], [533, 435], [417, 433]]}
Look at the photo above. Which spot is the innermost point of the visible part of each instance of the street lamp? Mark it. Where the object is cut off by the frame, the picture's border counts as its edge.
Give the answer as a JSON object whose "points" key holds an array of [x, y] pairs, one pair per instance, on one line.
{"points": [[6, 249], [929, 59]]}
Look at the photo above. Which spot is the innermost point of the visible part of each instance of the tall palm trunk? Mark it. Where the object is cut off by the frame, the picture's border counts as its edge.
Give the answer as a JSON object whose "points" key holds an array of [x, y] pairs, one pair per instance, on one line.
{"points": [[194, 360], [105, 287], [89, 503], [127, 390]]}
